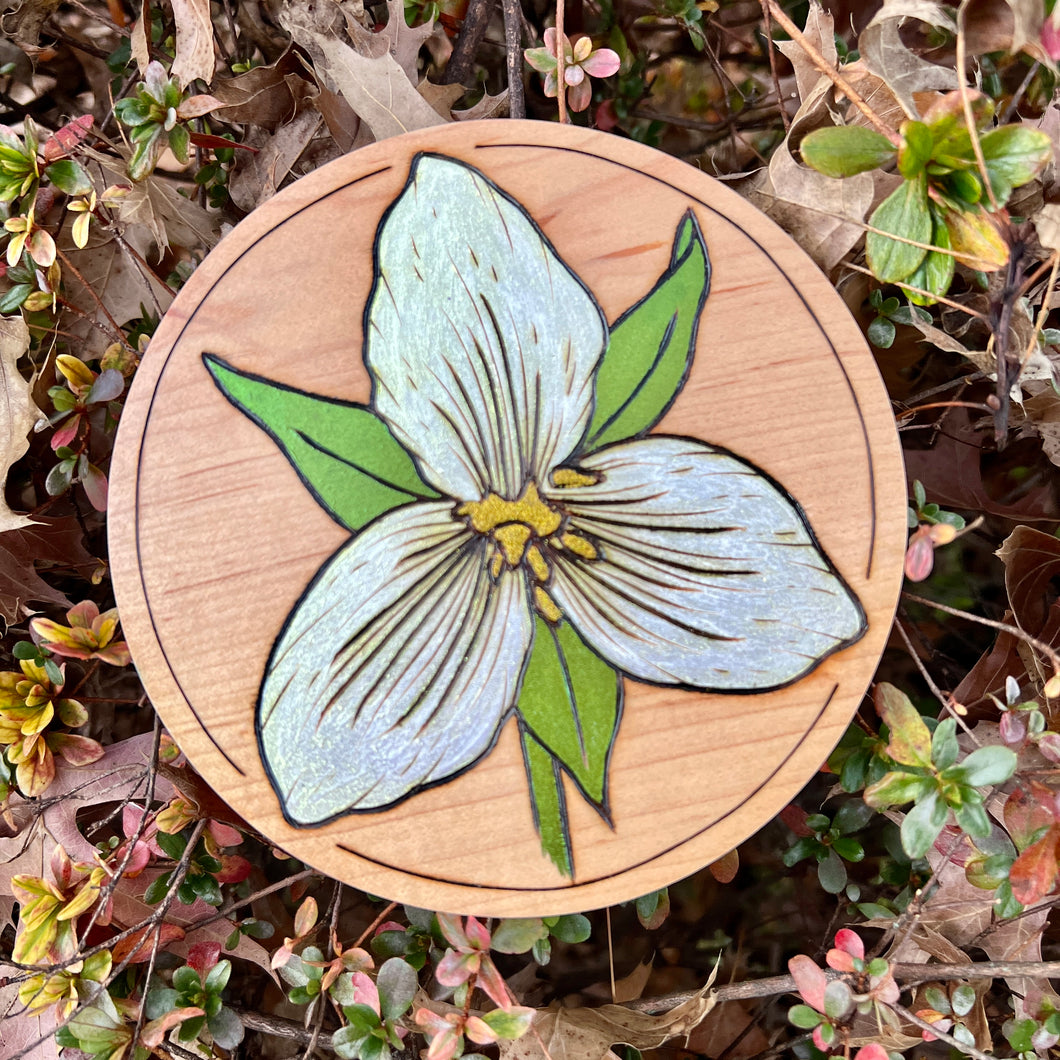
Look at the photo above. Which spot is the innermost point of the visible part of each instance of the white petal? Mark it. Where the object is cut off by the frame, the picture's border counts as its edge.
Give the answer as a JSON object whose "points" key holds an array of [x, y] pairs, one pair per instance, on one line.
{"points": [[709, 576], [481, 342], [395, 669]]}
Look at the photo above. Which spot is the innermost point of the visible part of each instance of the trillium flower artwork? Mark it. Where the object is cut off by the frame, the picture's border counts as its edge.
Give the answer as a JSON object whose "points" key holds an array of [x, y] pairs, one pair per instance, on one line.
{"points": [[521, 543]]}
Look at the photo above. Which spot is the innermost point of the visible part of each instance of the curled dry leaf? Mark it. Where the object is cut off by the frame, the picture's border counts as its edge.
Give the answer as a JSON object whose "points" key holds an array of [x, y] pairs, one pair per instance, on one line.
{"points": [[589, 1033], [266, 96], [18, 413], [885, 54]]}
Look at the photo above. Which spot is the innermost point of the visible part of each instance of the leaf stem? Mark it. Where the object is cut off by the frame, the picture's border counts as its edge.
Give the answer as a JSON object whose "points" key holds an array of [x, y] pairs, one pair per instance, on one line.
{"points": [[548, 803]]}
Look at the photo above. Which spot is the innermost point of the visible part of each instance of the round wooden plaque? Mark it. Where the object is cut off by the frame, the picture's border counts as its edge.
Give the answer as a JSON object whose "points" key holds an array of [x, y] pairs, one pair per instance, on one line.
{"points": [[507, 518]]}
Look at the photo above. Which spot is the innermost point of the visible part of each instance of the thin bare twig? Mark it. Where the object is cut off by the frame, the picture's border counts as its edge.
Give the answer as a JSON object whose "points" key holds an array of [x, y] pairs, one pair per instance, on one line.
{"points": [[832, 74], [561, 65], [513, 23], [461, 62], [772, 49]]}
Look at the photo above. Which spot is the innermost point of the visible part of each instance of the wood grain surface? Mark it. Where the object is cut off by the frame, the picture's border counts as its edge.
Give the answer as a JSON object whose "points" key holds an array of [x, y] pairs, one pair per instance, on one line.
{"points": [[214, 537]]}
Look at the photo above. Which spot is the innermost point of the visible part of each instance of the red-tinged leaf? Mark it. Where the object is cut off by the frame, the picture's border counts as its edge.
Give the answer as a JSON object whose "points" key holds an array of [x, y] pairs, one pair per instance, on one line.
{"points": [[77, 750], [910, 742], [723, 870], [234, 869], [840, 960], [306, 917], [1028, 810], [224, 835], [919, 557], [215, 143], [491, 982], [1033, 873], [479, 1032], [454, 968], [139, 946], [850, 942], [477, 934], [95, 483], [154, 1033], [203, 956], [810, 980], [795, 818], [873, 1051], [66, 433], [453, 931], [365, 992], [67, 138]]}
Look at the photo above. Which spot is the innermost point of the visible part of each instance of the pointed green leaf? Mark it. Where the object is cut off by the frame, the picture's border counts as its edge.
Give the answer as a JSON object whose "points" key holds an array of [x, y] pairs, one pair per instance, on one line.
{"points": [[844, 150], [571, 701], [344, 453], [986, 766], [548, 803], [903, 213], [652, 344]]}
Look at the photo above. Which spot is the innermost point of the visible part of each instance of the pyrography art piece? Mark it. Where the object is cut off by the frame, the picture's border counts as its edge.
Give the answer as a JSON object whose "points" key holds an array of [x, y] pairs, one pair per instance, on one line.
{"points": [[530, 551]]}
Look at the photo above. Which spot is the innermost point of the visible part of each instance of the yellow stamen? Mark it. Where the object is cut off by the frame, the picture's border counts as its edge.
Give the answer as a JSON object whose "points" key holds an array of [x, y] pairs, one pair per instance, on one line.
{"points": [[579, 545], [567, 476], [496, 563], [546, 605], [493, 511], [512, 538], [537, 563]]}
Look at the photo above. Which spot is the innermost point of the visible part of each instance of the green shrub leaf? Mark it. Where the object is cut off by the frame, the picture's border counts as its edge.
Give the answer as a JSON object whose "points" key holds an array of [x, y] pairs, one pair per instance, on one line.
{"points": [[903, 213], [844, 150]]}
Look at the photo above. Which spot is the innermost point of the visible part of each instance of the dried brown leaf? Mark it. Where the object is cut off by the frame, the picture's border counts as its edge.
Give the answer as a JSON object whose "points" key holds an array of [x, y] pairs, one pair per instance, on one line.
{"points": [[631, 987], [487, 107], [18, 412], [194, 48], [138, 45], [377, 89], [589, 1033], [1043, 413], [1032, 561], [885, 54], [820, 32], [259, 177], [267, 96], [441, 97], [1007, 27], [20, 1029]]}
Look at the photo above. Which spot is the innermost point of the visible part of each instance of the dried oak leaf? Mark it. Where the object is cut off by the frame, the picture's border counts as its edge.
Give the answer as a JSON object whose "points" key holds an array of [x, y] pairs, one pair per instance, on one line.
{"points": [[1032, 561], [18, 413], [56, 541], [885, 54], [267, 96]]}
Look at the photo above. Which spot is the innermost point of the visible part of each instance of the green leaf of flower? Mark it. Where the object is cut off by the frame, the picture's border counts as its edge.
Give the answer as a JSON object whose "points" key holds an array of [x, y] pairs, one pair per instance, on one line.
{"points": [[845, 150], [944, 746], [832, 873], [903, 213], [574, 927], [922, 825], [343, 452], [652, 344], [935, 272], [804, 1017], [571, 700]]}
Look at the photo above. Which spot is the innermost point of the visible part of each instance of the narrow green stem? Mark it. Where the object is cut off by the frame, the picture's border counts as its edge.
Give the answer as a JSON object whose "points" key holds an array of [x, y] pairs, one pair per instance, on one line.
{"points": [[548, 803]]}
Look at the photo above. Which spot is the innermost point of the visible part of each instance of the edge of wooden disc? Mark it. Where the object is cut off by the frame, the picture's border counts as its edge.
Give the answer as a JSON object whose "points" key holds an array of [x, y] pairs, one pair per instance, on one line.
{"points": [[857, 508]]}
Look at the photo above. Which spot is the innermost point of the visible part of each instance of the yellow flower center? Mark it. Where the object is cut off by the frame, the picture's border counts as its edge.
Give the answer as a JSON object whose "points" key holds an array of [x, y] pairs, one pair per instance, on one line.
{"points": [[525, 531]]}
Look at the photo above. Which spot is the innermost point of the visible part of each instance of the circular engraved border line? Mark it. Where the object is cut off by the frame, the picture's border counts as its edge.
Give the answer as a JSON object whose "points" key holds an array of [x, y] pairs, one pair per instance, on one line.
{"points": [[574, 884]]}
